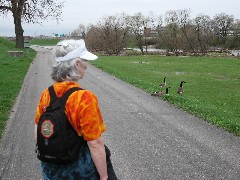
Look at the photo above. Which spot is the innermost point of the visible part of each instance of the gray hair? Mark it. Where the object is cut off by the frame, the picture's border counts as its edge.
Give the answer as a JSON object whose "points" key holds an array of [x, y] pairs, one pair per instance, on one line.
{"points": [[64, 70]]}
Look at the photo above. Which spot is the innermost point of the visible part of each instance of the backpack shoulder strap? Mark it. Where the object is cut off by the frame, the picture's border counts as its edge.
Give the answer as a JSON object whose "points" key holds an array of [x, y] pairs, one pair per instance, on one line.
{"points": [[65, 96], [53, 96]]}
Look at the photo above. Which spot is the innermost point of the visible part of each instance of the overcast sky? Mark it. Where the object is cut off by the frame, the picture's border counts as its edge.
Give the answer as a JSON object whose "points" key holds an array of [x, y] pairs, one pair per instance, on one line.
{"points": [[87, 12]]}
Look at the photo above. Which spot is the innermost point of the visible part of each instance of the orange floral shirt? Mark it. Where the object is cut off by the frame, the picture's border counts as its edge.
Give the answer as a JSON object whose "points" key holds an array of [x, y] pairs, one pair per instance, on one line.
{"points": [[81, 109]]}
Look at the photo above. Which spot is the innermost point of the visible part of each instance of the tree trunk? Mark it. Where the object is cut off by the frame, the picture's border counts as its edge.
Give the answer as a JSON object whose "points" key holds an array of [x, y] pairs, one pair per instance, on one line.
{"points": [[19, 32], [17, 9], [140, 42]]}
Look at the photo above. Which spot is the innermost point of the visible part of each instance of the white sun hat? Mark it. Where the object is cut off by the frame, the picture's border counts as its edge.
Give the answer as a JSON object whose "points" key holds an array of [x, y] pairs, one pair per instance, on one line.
{"points": [[80, 51]]}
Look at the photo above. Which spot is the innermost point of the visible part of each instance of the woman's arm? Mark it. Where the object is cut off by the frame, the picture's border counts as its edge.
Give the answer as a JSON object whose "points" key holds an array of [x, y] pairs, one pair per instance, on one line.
{"points": [[98, 154]]}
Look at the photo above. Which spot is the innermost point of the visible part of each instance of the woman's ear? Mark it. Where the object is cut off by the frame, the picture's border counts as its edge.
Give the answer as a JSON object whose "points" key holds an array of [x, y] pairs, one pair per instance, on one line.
{"points": [[77, 63]]}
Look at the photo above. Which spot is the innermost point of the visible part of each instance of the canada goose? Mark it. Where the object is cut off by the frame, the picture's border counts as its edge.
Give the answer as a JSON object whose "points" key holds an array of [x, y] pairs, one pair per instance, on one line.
{"points": [[180, 89], [161, 93], [167, 94], [157, 93], [164, 83]]}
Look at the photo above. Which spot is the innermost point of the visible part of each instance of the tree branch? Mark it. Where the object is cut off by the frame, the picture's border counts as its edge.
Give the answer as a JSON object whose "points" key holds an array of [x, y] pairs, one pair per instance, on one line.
{"points": [[5, 8]]}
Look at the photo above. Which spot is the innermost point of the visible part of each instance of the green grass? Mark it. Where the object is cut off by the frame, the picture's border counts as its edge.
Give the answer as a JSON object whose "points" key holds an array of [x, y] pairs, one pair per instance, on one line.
{"points": [[13, 71], [211, 88], [44, 42], [211, 92]]}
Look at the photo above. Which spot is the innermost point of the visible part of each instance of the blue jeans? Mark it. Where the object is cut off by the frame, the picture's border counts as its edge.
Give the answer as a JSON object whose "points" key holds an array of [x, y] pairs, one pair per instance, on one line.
{"points": [[81, 169]]}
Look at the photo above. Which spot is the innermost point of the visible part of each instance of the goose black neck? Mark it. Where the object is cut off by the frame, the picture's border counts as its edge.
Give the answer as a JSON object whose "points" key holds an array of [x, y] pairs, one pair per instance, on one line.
{"points": [[181, 83]]}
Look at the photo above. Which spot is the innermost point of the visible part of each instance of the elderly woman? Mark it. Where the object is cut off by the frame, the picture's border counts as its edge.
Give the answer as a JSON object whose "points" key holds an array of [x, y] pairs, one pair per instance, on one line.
{"points": [[82, 111]]}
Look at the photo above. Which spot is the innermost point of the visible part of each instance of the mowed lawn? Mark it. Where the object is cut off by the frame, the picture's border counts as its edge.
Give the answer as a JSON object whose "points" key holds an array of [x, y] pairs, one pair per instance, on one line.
{"points": [[12, 73], [44, 42], [211, 88]]}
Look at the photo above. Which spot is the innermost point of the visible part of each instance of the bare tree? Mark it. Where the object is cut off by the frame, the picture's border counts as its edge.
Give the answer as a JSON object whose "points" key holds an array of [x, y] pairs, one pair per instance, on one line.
{"points": [[30, 11], [93, 38], [186, 28], [233, 40], [138, 25], [223, 23], [109, 35], [203, 31], [151, 23], [172, 29], [79, 32]]}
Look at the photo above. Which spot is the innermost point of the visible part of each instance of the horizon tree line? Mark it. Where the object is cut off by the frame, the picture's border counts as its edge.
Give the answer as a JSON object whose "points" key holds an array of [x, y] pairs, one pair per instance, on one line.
{"points": [[175, 32]]}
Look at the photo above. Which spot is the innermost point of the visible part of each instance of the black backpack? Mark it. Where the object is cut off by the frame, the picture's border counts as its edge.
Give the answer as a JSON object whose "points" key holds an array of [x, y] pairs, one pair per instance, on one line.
{"points": [[57, 141]]}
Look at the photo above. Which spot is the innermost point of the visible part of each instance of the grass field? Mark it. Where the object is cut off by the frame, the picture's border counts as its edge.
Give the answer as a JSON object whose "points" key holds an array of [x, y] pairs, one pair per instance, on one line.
{"points": [[13, 71], [211, 88], [44, 42]]}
